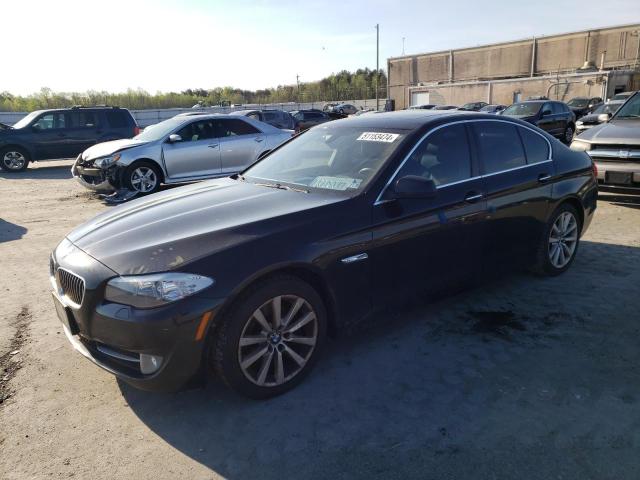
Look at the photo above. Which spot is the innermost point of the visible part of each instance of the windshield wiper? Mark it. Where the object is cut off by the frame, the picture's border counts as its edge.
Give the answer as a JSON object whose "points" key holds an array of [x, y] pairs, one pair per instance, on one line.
{"points": [[281, 187], [627, 116]]}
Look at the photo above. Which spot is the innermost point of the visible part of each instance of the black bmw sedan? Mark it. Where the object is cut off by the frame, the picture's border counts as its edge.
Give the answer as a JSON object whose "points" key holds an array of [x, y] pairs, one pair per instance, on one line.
{"points": [[247, 276]]}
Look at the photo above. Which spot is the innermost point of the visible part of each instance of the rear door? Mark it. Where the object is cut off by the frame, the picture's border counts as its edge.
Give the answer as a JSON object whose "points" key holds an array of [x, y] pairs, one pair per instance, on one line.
{"points": [[49, 136], [426, 245], [548, 121], [516, 165], [197, 155], [83, 130], [240, 143]]}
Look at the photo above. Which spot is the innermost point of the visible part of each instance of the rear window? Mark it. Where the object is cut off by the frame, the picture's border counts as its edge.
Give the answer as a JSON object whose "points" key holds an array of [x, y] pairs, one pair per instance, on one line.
{"points": [[83, 119], [117, 118], [535, 147]]}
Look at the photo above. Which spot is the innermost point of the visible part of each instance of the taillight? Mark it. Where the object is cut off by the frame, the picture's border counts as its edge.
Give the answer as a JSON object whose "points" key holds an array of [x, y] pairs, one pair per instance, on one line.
{"points": [[595, 169], [136, 130]]}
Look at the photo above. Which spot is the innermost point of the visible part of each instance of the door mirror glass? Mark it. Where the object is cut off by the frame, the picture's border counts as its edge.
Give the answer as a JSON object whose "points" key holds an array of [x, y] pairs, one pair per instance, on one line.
{"points": [[604, 117], [414, 186], [173, 138]]}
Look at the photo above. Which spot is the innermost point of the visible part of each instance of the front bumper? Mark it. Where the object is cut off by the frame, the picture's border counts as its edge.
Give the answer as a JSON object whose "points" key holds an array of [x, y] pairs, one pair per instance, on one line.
{"points": [[609, 170], [119, 338], [93, 178]]}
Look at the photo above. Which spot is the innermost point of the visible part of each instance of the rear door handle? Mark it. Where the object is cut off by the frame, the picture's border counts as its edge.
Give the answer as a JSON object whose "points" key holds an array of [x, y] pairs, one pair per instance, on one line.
{"points": [[258, 139], [544, 177], [213, 145], [473, 197]]}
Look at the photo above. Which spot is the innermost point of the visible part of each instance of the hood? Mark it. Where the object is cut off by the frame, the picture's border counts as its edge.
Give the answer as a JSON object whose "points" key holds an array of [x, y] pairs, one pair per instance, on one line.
{"points": [[167, 230], [109, 148], [626, 132], [591, 118]]}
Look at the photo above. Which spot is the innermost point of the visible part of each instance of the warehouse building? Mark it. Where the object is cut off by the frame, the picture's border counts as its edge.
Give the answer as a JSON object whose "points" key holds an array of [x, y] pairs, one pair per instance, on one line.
{"points": [[599, 62]]}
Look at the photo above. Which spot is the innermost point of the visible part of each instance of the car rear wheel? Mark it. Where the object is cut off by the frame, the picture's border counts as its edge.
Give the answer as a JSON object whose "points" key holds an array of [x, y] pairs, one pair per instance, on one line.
{"points": [[270, 338], [13, 159], [559, 243], [143, 177], [568, 134]]}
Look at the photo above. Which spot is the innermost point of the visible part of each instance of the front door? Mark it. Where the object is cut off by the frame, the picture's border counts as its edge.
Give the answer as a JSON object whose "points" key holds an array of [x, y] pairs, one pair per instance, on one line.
{"points": [[50, 138], [240, 144], [427, 245], [196, 155]]}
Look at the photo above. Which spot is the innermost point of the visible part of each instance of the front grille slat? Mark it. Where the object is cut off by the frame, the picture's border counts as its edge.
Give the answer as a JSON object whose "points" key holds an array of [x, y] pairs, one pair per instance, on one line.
{"points": [[72, 286]]}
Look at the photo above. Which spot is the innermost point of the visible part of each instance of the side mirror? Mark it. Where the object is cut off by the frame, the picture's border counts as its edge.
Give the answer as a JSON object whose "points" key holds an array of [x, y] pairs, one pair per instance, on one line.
{"points": [[174, 138], [604, 117], [413, 186]]}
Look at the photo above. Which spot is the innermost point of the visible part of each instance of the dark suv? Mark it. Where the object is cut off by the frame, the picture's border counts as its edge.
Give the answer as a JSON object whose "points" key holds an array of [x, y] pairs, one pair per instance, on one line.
{"points": [[309, 118], [553, 117], [62, 133]]}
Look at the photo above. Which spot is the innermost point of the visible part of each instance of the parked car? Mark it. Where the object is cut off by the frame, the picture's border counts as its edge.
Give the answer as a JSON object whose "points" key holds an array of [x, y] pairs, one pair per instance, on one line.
{"points": [[424, 106], [493, 108], [275, 118], [600, 115], [584, 105], [345, 109], [553, 117], [181, 149], [473, 106], [309, 118], [615, 146], [623, 95], [328, 107], [445, 107], [247, 275], [62, 133]]}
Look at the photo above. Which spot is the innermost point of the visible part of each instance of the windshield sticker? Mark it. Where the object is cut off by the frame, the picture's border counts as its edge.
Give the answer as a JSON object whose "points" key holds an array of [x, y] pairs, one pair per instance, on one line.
{"points": [[378, 137], [335, 183]]}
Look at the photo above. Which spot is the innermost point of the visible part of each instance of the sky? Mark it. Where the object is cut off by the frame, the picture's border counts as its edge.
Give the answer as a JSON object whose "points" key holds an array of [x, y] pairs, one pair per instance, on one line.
{"points": [[161, 45]]}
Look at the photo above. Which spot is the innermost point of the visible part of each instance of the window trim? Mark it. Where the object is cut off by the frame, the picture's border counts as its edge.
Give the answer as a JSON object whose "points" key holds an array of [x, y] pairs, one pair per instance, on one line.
{"points": [[380, 201]]}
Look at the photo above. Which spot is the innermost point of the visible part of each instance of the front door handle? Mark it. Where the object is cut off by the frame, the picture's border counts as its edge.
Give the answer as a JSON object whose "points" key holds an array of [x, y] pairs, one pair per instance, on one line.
{"points": [[258, 139], [213, 145], [544, 177], [473, 197]]}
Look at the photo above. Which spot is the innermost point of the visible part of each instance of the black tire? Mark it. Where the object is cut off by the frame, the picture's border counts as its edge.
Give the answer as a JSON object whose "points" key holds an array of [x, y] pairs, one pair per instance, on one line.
{"points": [[224, 342], [9, 156], [568, 134], [543, 264], [138, 166], [341, 111]]}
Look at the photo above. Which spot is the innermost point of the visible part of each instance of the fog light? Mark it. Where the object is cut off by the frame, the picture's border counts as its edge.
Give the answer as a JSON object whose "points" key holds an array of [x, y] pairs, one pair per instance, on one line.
{"points": [[149, 363]]}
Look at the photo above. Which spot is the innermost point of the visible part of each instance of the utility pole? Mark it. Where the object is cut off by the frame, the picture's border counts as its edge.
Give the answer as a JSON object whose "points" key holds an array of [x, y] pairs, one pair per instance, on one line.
{"points": [[403, 46], [377, 66], [298, 83]]}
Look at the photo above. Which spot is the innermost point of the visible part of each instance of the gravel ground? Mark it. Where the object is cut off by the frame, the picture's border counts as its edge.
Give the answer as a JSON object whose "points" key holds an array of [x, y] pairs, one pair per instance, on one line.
{"points": [[522, 378]]}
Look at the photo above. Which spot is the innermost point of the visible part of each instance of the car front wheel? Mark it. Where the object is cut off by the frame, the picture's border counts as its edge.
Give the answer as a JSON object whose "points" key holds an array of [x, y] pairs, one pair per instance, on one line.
{"points": [[559, 243], [568, 134], [270, 338], [142, 177], [13, 159]]}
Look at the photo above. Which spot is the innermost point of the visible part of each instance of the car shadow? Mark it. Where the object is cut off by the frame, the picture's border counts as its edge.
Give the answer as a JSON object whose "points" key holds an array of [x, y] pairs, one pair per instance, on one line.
{"points": [[40, 171], [622, 200], [10, 231], [422, 389]]}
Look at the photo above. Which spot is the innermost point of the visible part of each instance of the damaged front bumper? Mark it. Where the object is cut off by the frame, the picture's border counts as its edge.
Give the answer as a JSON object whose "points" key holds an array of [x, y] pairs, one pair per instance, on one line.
{"points": [[104, 180]]}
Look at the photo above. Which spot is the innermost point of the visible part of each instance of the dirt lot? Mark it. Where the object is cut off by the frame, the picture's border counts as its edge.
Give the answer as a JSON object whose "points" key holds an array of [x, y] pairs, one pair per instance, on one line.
{"points": [[523, 378]]}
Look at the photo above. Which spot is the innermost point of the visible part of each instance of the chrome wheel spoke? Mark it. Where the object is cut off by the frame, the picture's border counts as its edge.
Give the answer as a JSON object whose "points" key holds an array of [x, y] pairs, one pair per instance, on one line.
{"points": [[301, 323], [264, 368], [276, 305], [260, 318], [292, 312], [296, 358], [252, 340], [301, 340], [251, 359], [279, 369]]}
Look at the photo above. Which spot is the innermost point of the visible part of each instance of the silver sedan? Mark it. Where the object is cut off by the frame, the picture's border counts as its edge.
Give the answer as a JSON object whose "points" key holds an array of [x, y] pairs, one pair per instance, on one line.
{"points": [[181, 149]]}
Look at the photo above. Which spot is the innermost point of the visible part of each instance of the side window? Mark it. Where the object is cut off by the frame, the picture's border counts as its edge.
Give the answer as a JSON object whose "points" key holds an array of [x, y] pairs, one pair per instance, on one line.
{"points": [[50, 121], [558, 108], [254, 115], [117, 118], [83, 120], [195, 131], [443, 157], [270, 116], [535, 147], [234, 128], [499, 146], [547, 108]]}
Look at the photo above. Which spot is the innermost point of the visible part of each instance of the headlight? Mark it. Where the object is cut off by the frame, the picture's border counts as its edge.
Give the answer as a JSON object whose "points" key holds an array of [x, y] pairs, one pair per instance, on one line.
{"points": [[107, 161], [148, 291], [579, 146], [579, 122]]}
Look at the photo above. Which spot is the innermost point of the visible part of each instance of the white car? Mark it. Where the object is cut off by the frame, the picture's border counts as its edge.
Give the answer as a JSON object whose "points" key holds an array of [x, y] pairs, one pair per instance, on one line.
{"points": [[181, 149]]}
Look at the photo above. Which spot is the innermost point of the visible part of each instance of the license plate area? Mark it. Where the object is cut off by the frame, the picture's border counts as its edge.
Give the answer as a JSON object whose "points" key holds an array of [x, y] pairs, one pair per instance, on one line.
{"points": [[618, 178], [65, 315]]}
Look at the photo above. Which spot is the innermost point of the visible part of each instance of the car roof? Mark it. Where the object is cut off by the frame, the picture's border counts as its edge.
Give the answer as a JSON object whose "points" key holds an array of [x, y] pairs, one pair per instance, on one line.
{"points": [[408, 119]]}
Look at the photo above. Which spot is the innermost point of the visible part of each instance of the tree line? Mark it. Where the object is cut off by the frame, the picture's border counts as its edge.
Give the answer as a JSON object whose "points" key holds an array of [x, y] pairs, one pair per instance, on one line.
{"points": [[343, 85]]}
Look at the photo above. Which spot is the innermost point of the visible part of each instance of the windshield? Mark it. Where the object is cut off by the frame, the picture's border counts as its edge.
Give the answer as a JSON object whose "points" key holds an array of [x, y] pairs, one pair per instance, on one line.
{"points": [[578, 102], [522, 109], [607, 108], [631, 109], [159, 130], [24, 121], [489, 108], [329, 158]]}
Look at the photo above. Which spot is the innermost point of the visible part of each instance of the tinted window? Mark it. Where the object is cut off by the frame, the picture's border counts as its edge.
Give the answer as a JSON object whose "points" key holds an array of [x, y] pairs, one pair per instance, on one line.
{"points": [[499, 146], [313, 115], [535, 146], [254, 115], [522, 109], [548, 107], [558, 108], [270, 116], [234, 127], [443, 157], [50, 120], [117, 118], [195, 131], [83, 119]]}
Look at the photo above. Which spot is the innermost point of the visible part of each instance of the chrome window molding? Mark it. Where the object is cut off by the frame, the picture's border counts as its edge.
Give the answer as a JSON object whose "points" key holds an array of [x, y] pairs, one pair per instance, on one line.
{"points": [[380, 201]]}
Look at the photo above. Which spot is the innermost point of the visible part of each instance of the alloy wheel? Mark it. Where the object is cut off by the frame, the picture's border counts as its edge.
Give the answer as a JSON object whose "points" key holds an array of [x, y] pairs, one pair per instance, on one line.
{"points": [[568, 135], [563, 239], [278, 340], [144, 179], [13, 160]]}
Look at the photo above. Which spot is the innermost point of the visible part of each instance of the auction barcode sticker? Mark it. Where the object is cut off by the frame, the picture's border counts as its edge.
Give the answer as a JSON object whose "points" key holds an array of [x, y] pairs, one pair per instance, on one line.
{"points": [[378, 137]]}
